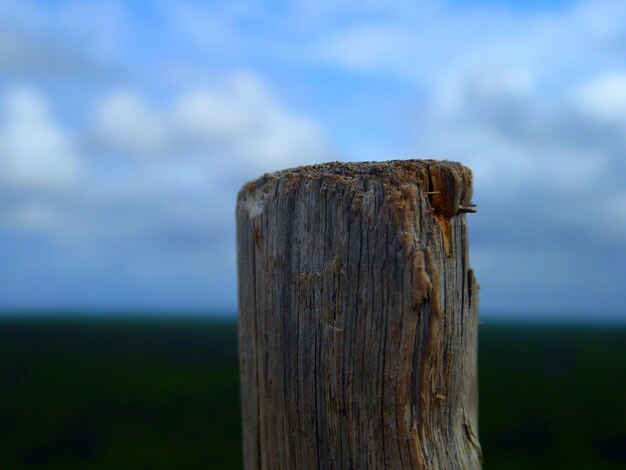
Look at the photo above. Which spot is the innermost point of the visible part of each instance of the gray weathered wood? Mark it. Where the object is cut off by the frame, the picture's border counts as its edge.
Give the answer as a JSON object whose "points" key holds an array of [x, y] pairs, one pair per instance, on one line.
{"points": [[358, 318]]}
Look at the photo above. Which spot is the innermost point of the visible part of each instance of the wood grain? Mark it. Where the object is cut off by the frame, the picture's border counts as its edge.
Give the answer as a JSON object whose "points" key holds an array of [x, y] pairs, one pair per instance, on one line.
{"points": [[358, 318]]}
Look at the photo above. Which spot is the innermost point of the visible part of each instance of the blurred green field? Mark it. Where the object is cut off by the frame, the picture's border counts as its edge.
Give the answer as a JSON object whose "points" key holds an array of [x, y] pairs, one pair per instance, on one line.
{"points": [[159, 393]]}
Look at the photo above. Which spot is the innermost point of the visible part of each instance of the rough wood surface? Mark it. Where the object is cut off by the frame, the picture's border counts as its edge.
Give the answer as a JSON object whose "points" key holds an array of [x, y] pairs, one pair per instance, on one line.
{"points": [[358, 318]]}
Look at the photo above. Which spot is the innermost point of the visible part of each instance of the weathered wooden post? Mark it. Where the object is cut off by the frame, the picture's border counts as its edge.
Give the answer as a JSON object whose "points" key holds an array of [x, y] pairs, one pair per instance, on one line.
{"points": [[358, 318]]}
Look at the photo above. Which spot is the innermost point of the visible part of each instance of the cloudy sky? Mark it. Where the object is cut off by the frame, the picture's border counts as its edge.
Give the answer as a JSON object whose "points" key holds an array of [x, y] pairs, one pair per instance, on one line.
{"points": [[126, 129]]}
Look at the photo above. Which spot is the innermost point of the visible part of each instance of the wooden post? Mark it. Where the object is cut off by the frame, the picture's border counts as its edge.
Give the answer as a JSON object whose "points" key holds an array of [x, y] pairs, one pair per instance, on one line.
{"points": [[358, 318]]}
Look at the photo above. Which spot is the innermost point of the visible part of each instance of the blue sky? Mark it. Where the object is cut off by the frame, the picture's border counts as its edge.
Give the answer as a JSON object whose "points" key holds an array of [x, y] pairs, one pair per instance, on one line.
{"points": [[126, 129]]}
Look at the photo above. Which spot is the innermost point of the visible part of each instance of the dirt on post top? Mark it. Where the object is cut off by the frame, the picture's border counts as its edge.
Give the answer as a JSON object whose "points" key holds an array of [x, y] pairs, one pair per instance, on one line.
{"points": [[447, 184]]}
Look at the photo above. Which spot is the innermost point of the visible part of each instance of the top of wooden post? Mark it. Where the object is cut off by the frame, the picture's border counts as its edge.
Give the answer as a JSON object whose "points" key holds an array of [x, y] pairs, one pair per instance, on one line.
{"points": [[448, 184]]}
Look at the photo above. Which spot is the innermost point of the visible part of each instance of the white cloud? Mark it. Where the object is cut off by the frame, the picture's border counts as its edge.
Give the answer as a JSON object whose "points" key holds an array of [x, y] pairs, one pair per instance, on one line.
{"points": [[426, 42], [241, 105], [517, 143], [604, 97], [125, 123], [35, 152], [235, 121], [153, 204]]}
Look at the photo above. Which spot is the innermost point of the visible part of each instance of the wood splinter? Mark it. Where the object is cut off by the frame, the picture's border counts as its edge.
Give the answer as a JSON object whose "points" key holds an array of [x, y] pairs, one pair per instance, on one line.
{"points": [[467, 210]]}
